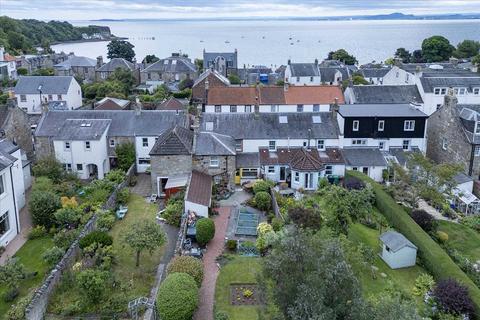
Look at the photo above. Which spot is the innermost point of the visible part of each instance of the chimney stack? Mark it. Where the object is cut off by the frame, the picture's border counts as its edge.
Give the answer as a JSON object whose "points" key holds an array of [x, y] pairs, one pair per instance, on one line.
{"points": [[138, 106], [453, 61], [99, 61], [450, 100], [316, 61]]}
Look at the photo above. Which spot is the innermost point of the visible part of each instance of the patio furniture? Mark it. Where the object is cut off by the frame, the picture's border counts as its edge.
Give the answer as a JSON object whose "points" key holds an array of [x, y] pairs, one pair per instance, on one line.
{"points": [[121, 212], [153, 197]]}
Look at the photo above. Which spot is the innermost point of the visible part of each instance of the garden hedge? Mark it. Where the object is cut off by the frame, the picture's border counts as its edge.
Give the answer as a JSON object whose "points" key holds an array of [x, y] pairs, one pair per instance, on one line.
{"points": [[435, 259], [189, 265], [177, 297]]}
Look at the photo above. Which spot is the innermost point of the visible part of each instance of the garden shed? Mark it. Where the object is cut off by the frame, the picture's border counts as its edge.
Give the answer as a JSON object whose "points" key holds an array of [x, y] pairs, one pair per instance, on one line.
{"points": [[198, 197], [397, 251]]}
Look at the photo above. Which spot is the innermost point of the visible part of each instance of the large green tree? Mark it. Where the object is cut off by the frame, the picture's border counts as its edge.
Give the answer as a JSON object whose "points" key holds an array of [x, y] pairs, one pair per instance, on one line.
{"points": [[403, 54], [145, 235], [120, 49], [467, 49], [342, 55], [436, 49]]}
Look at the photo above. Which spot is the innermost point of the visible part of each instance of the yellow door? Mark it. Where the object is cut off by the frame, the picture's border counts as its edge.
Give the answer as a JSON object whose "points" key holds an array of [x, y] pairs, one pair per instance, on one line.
{"points": [[238, 174]]}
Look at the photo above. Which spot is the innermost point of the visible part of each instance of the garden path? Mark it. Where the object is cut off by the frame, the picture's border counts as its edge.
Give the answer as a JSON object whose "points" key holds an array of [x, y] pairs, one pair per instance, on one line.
{"points": [[22, 237], [210, 267], [422, 204]]}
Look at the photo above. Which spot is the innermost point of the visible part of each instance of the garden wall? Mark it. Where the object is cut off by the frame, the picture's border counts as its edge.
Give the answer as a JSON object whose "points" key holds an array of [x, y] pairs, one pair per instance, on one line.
{"points": [[275, 207], [38, 306], [435, 259]]}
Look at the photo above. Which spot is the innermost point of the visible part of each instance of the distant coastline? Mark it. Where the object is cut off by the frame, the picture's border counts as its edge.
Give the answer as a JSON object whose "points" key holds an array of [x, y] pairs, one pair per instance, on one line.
{"points": [[90, 40]]}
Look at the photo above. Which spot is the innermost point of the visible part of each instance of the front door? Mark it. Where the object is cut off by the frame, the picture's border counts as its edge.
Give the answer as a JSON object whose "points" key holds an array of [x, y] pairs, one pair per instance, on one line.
{"points": [[283, 175], [308, 180]]}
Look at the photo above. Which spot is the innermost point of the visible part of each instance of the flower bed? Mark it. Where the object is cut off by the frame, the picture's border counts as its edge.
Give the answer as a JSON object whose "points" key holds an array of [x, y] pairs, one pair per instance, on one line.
{"points": [[244, 295]]}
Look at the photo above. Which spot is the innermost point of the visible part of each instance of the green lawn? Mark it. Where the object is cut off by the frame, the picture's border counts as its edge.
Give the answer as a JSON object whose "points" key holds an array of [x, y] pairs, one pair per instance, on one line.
{"points": [[132, 281], [238, 270], [30, 255], [462, 238], [403, 279]]}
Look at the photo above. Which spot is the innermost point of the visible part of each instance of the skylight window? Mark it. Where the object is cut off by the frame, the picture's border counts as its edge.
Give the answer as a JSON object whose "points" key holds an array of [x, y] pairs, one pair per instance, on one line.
{"points": [[316, 119], [283, 119]]}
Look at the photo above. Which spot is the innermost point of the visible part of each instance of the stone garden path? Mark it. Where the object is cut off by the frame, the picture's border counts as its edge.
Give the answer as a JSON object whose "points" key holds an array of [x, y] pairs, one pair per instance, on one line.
{"points": [[214, 249]]}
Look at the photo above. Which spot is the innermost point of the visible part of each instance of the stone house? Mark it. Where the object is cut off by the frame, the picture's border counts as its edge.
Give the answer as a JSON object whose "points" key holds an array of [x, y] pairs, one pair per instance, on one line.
{"points": [[225, 63], [80, 67], [14, 125], [454, 135], [171, 69], [208, 79], [104, 71]]}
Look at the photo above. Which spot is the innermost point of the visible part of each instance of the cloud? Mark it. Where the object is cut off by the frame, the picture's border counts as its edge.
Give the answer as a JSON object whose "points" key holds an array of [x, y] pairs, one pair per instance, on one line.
{"points": [[138, 9]]}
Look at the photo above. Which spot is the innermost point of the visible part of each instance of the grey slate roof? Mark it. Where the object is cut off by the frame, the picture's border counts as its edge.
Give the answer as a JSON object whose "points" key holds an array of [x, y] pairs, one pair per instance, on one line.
{"points": [[400, 154], [182, 64], [380, 110], [374, 72], [304, 70], [75, 129], [396, 241], [386, 94], [364, 157], [211, 143], [268, 126], [469, 114], [6, 160], [429, 84], [247, 160], [115, 63], [217, 74], [328, 74], [49, 84], [462, 178], [211, 56], [76, 61], [125, 123], [175, 141], [8, 146]]}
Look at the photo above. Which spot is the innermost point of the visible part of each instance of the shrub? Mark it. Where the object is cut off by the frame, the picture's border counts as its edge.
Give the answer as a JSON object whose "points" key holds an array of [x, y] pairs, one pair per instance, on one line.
{"points": [[17, 311], [37, 232], [53, 255], [277, 224], [263, 200], [105, 220], [10, 295], [100, 237], [115, 176], [264, 228], [173, 213], [64, 238], [435, 259], [92, 283], [231, 245], [352, 183], [68, 217], [123, 195], [43, 184], [185, 83], [424, 220], [177, 297], [472, 222], [69, 202], [184, 94], [453, 297], [423, 284], [442, 236], [220, 315], [261, 186], [125, 155], [205, 230], [49, 167], [42, 206], [305, 217], [189, 265]]}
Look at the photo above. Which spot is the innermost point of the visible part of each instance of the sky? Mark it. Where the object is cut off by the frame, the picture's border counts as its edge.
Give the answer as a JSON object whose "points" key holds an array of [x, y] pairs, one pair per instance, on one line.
{"points": [[171, 9]]}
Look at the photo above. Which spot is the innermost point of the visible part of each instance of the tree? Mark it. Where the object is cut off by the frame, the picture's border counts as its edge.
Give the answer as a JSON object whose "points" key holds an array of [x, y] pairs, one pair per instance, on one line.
{"points": [[234, 79], [185, 84], [198, 63], [42, 206], [305, 269], [304, 217], [388, 307], [436, 49], [177, 297], [453, 297], [476, 61], [263, 200], [125, 155], [125, 78], [205, 230], [22, 71], [68, 217], [417, 56], [144, 235], [49, 167], [342, 55], [424, 220], [150, 58], [403, 54], [467, 49], [120, 49], [189, 265]]}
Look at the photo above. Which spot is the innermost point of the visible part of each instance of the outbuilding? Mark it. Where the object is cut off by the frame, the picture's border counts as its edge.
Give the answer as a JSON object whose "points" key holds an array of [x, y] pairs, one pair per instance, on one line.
{"points": [[398, 251], [198, 197]]}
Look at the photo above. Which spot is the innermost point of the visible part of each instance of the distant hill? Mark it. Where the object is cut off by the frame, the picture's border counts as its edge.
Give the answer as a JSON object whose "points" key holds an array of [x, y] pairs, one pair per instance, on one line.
{"points": [[24, 36]]}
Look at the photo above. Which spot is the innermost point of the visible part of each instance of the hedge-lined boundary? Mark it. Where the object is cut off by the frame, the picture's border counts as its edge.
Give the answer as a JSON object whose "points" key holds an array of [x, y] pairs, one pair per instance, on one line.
{"points": [[435, 259]]}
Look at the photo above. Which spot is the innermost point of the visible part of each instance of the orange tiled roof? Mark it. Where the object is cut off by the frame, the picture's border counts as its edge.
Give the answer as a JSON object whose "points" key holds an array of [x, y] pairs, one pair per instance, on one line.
{"points": [[8, 57], [232, 96], [314, 95]]}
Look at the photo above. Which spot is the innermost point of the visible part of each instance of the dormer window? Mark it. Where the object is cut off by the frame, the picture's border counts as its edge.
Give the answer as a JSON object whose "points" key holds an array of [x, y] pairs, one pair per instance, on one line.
{"points": [[476, 91], [299, 107], [440, 91], [272, 146], [233, 108], [218, 109], [460, 91], [274, 108]]}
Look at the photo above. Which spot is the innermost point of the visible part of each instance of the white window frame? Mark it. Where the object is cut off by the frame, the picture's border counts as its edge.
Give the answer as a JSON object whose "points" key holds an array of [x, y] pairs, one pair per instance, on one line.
{"points": [[144, 161], [316, 108], [477, 127], [67, 167], [381, 125], [299, 107], [239, 145], [218, 108], [112, 142], [66, 145], [272, 145], [477, 151], [88, 145], [409, 125], [406, 144], [3, 188], [355, 125], [274, 108], [328, 170], [444, 143], [5, 217], [476, 91], [145, 142], [381, 145], [359, 142], [79, 164], [321, 144], [23, 98], [233, 108], [270, 169], [248, 108], [296, 176], [214, 162]]}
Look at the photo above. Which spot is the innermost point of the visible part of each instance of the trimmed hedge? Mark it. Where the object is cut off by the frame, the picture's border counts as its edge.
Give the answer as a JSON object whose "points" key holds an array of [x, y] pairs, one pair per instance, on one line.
{"points": [[177, 297], [189, 265], [435, 259]]}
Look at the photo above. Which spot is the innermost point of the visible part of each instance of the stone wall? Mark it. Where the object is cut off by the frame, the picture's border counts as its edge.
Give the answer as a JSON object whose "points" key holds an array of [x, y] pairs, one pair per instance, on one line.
{"points": [[445, 125], [17, 127], [225, 168], [37, 307], [168, 166], [275, 207], [43, 147]]}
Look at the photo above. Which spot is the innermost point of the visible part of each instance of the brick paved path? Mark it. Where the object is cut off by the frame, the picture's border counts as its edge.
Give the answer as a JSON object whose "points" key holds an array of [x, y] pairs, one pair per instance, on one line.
{"points": [[215, 248]]}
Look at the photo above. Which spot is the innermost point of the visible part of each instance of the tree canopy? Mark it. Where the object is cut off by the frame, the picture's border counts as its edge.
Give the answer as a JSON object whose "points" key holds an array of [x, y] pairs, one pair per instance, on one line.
{"points": [[342, 55], [467, 49], [120, 49], [436, 49], [145, 235]]}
